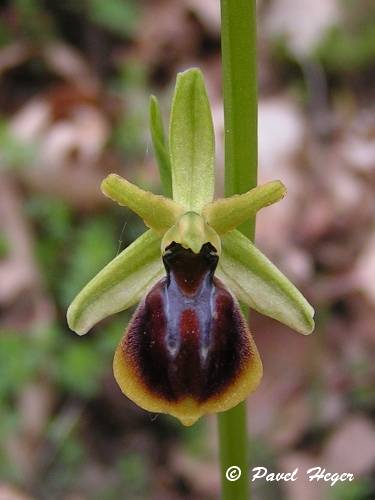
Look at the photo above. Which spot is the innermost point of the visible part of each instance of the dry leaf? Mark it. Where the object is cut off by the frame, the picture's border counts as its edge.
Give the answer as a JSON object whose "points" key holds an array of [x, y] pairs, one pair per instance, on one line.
{"points": [[352, 447], [303, 22]]}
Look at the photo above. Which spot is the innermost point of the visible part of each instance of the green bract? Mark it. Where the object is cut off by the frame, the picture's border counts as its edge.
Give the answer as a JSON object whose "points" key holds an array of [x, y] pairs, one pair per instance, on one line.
{"points": [[191, 219], [160, 146]]}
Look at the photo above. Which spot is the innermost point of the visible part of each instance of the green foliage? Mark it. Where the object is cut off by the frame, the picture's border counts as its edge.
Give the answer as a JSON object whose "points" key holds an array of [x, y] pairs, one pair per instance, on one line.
{"points": [[91, 247], [81, 368], [72, 455], [76, 366], [68, 456], [350, 45], [33, 21], [134, 471], [53, 217], [129, 136], [7, 469], [360, 489], [117, 16], [14, 153], [194, 439], [343, 50], [4, 247], [53, 222], [5, 35], [18, 363], [38, 22], [71, 366], [263, 454]]}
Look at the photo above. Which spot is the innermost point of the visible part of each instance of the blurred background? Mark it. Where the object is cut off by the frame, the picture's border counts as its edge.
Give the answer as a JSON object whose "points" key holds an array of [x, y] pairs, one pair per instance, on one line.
{"points": [[75, 78]]}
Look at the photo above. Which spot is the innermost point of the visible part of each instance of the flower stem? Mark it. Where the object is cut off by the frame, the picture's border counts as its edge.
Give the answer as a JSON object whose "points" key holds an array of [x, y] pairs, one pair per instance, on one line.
{"points": [[238, 41]]}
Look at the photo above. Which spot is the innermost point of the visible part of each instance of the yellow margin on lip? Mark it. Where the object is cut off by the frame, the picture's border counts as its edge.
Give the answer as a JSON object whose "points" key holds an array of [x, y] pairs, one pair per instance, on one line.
{"points": [[187, 410]]}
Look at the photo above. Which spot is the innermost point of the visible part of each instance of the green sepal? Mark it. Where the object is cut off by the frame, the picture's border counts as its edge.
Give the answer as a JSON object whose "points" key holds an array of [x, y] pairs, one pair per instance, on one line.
{"points": [[121, 284], [191, 231], [226, 214], [192, 142], [160, 145], [260, 285], [158, 213]]}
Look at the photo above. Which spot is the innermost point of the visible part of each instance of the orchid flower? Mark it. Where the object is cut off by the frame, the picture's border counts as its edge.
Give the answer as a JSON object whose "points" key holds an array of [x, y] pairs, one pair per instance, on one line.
{"points": [[187, 350]]}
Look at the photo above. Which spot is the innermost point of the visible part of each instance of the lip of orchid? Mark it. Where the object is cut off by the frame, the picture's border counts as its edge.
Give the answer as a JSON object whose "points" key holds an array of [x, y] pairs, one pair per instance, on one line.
{"points": [[188, 350]]}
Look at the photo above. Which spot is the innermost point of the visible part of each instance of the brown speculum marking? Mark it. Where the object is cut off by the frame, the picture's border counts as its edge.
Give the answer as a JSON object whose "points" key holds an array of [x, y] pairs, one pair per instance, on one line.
{"points": [[188, 337]]}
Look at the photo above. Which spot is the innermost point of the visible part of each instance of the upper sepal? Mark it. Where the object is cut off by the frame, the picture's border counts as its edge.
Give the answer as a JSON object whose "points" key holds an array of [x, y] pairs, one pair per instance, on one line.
{"points": [[191, 142], [259, 284], [119, 285]]}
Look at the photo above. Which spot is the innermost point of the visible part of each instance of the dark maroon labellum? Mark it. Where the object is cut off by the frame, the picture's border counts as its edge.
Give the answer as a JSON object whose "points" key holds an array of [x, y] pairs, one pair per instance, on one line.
{"points": [[188, 337]]}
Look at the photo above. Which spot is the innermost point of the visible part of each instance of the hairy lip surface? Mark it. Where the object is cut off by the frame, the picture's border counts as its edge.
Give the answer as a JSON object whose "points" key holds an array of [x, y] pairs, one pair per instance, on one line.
{"points": [[188, 338]]}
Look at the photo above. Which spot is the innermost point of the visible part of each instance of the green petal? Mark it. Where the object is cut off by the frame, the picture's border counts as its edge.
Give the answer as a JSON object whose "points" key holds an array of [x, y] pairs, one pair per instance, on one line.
{"points": [[160, 146], [191, 141], [228, 213], [260, 285], [158, 213], [121, 284]]}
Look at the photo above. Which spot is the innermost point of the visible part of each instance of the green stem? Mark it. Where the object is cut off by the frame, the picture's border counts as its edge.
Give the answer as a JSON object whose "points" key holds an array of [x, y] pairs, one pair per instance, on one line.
{"points": [[238, 39]]}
